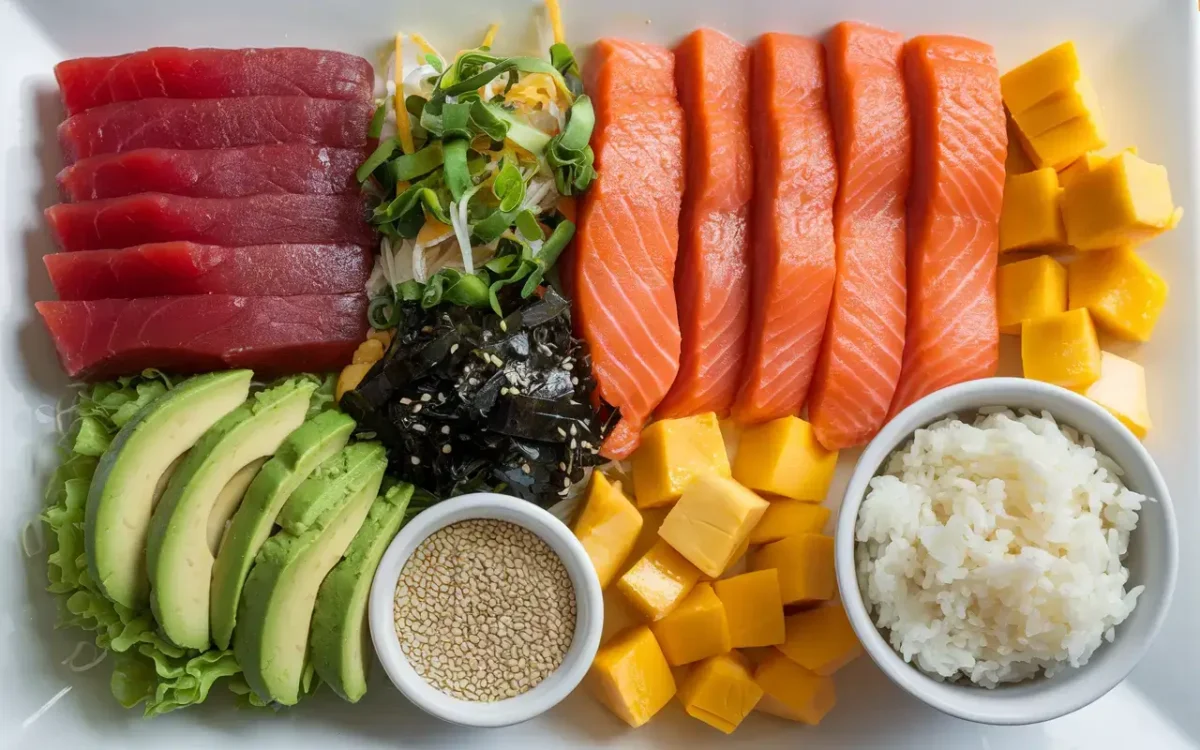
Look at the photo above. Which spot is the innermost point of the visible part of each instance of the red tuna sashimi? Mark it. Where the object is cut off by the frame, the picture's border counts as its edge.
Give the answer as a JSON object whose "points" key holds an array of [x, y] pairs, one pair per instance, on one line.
{"points": [[215, 173], [179, 73], [182, 268], [270, 335], [255, 220], [214, 123]]}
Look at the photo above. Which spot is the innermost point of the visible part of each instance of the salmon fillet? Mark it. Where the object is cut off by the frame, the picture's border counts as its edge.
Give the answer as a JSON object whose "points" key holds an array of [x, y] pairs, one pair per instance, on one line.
{"points": [[624, 264], [959, 145], [712, 276], [859, 363], [793, 250]]}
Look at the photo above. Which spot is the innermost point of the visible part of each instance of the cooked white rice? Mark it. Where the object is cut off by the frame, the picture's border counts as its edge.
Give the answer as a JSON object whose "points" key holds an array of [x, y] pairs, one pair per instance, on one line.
{"points": [[992, 552]]}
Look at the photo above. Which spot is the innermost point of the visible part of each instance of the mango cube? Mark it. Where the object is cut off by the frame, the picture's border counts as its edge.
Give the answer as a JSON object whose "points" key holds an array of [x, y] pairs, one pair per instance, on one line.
{"points": [[1052, 71], [798, 694], [631, 676], [1016, 161], [783, 457], [720, 692], [659, 581], [1029, 215], [672, 453], [695, 630], [1121, 390], [1061, 349], [1122, 202], [619, 614], [821, 640], [753, 608], [734, 557], [787, 518], [1032, 288], [1086, 164], [711, 520], [1075, 101], [1120, 290], [805, 566], [1063, 144], [607, 527]]}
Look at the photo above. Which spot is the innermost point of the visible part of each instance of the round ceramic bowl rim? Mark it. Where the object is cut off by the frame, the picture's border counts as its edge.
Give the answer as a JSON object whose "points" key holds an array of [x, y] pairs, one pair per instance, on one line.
{"points": [[1053, 702], [588, 599]]}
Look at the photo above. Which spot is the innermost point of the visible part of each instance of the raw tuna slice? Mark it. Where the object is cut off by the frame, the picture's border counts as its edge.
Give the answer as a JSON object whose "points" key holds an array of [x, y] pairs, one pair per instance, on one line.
{"points": [[215, 173], [214, 123], [180, 268], [271, 335], [178, 73], [256, 220]]}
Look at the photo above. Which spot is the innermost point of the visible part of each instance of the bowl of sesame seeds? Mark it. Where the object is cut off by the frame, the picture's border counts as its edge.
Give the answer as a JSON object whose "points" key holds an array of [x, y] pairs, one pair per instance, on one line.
{"points": [[485, 610]]}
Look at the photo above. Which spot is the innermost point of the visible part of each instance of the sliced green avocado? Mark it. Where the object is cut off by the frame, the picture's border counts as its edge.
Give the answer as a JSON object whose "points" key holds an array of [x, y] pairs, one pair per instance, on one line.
{"points": [[271, 639], [177, 555], [121, 497], [339, 632], [228, 501], [305, 449]]}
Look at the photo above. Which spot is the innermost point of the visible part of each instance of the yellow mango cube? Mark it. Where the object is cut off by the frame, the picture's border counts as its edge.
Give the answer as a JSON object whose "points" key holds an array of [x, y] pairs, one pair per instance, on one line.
{"points": [[734, 557], [821, 640], [1016, 161], [672, 453], [720, 691], [786, 518], [659, 581], [1061, 349], [1124, 201], [1086, 164], [1058, 147], [1120, 290], [631, 676], [1029, 215], [783, 457], [1121, 390], [711, 520], [805, 566], [753, 608], [1032, 288], [1077, 100], [799, 695], [1052, 71], [696, 629], [607, 527]]}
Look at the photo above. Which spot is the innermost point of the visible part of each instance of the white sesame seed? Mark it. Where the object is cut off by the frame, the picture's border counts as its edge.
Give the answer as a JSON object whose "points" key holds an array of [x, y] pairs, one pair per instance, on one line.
{"points": [[525, 468], [453, 348], [419, 427], [426, 397], [446, 448], [574, 431], [445, 429], [406, 400], [504, 326], [416, 408], [561, 431], [415, 461]]}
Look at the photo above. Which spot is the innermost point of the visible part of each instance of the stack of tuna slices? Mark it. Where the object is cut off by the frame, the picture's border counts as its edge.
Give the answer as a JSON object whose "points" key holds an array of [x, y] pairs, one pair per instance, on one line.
{"points": [[211, 215]]}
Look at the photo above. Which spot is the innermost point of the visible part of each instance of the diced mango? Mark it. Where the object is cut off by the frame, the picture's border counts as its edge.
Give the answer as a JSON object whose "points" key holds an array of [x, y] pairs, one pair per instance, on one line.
{"points": [[672, 453], [1016, 161], [805, 565], [720, 692], [1029, 216], [607, 527], [1086, 164], [696, 629], [659, 581], [631, 676], [1061, 349], [1077, 100], [734, 557], [711, 521], [1124, 201], [1120, 290], [821, 640], [1121, 390], [783, 457], [619, 614], [799, 694], [368, 352], [787, 518], [1043, 76], [1061, 145], [1032, 288], [753, 608], [350, 376]]}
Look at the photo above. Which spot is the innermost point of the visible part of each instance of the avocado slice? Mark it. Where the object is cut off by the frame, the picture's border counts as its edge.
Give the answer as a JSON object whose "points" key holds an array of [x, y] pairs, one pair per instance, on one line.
{"points": [[227, 503], [121, 497], [339, 632], [177, 554], [305, 449], [271, 639]]}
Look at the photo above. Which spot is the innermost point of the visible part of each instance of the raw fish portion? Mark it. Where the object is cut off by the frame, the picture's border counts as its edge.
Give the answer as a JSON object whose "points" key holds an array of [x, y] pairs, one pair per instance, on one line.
{"points": [[860, 356], [959, 145], [180, 73], [255, 220], [271, 335], [215, 173], [214, 123], [181, 268]]}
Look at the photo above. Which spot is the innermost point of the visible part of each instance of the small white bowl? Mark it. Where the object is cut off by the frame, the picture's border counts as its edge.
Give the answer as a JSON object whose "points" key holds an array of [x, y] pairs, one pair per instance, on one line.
{"points": [[1152, 559], [589, 609]]}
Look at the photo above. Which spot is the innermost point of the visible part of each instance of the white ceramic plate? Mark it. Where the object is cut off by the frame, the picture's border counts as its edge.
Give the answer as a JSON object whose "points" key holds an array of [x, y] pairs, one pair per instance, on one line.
{"points": [[1142, 56]]}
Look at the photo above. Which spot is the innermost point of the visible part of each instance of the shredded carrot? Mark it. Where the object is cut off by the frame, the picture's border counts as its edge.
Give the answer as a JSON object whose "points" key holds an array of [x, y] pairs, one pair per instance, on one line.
{"points": [[403, 126], [490, 36], [556, 26], [426, 48]]}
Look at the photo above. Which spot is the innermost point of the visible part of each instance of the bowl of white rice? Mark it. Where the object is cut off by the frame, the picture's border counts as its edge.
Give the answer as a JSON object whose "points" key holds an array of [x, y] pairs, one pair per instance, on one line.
{"points": [[1006, 551]]}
